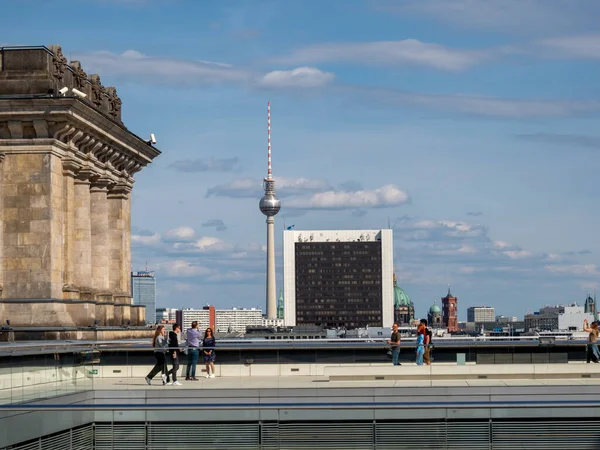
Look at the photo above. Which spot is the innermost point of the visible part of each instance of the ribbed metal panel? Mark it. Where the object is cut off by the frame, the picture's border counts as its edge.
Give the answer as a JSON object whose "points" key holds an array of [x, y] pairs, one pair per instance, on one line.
{"points": [[410, 435], [82, 438], [546, 435], [203, 435], [57, 441], [35, 445], [309, 435], [120, 436], [471, 435], [269, 436]]}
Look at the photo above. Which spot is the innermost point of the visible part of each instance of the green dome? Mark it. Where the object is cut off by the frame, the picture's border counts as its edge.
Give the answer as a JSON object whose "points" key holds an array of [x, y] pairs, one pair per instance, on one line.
{"points": [[435, 309], [401, 298]]}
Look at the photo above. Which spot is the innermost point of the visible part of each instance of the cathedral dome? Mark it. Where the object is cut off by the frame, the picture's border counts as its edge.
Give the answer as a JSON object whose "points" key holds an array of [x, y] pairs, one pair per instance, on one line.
{"points": [[435, 309], [401, 298]]}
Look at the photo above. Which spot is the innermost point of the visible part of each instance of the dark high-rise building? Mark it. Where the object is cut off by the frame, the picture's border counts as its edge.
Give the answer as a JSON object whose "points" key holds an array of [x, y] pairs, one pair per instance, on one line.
{"points": [[143, 292], [338, 278]]}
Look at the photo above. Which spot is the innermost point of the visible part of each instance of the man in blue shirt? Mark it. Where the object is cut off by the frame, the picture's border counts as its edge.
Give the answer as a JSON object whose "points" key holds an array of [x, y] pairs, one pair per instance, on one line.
{"points": [[193, 338]]}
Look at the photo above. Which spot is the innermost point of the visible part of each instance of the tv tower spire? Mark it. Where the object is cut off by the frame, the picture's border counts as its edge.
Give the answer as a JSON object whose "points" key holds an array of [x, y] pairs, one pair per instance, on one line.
{"points": [[270, 206]]}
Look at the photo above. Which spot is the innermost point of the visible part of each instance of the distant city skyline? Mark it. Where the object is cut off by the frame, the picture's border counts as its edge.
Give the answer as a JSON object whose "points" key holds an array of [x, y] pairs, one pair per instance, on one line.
{"points": [[469, 127]]}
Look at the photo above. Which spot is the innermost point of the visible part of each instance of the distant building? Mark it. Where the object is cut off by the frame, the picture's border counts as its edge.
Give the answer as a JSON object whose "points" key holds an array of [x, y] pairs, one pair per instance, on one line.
{"points": [[480, 314], [434, 317], [166, 315], [280, 307], [503, 319], [450, 312], [338, 278], [206, 317], [404, 309], [237, 319], [572, 318], [234, 320], [143, 292], [590, 306], [546, 319]]}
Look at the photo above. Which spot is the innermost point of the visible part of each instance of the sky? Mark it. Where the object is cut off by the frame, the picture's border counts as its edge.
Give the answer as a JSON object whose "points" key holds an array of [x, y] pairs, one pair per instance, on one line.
{"points": [[469, 127]]}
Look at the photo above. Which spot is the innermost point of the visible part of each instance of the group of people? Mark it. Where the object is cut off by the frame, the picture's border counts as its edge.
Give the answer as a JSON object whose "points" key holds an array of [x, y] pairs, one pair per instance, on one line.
{"points": [[170, 346], [423, 350]]}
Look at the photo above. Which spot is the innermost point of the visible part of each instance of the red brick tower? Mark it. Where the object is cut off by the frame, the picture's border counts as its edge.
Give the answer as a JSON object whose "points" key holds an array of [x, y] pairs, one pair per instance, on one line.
{"points": [[450, 311]]}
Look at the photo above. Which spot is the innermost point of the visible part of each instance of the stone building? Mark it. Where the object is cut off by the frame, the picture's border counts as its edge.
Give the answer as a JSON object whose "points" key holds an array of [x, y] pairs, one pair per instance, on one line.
{"points": [[450, 312], [434, 316], [67, 163], [404, 309]]}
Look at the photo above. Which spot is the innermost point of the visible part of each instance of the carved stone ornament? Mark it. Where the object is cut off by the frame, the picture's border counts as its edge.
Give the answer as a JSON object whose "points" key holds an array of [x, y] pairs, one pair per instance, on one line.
{"points": [[114, 103], [79, 76], [98, 91], [59, 61], [2, 156]]}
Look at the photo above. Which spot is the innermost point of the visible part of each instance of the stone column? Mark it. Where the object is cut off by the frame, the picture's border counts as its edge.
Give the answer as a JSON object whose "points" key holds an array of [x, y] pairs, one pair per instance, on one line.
{"points": [[83, 235], [70, 169], [118, 237], [2, 156], [99, 234]]}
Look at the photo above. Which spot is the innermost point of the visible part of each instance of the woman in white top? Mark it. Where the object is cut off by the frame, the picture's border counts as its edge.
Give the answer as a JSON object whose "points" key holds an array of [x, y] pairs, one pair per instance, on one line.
{"points": [[160, 343]]}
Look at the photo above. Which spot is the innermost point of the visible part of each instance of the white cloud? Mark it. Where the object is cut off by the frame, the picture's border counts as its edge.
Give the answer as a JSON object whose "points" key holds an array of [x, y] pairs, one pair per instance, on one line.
{"points": [[405, 52], [467, 249], [137, 65], [575, 269], [517, 254], [252, 187], [585, 46], [146, 240], [304, 77], [521, 16], [181, 233], [182, 268], [385, 196]]}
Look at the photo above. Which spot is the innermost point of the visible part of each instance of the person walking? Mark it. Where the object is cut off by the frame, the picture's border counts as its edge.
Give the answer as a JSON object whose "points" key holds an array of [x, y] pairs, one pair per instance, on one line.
{"points": [[427, 343], [593, 353], [159, 342], [394, 341], [208, 347], [420, 343], [192, 338], [174, 354]]}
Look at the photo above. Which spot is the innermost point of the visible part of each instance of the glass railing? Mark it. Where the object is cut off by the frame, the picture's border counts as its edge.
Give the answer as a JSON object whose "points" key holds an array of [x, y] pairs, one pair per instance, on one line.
{"points": [[32, 372]]}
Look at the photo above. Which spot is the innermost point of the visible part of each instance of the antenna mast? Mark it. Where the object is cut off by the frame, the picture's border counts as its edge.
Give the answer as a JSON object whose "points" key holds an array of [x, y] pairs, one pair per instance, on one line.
{"points": [[269, 174]]}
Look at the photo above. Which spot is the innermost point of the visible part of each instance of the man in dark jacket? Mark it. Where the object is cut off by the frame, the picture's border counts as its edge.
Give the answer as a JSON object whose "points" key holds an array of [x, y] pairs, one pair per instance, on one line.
{"points": [[174, 354]]}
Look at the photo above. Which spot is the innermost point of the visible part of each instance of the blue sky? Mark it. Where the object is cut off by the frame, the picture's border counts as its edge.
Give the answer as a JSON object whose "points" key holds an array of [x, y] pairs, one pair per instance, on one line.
{"points": [[469, 126]]}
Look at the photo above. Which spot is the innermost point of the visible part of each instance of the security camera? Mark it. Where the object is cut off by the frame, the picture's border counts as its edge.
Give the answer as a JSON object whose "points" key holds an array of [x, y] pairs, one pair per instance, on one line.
{"points": [[63, 91], [152, 139], [78, 93]]}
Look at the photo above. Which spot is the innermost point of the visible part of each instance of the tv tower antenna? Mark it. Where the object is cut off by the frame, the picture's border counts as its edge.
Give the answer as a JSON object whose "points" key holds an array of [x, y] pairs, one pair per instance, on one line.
{"points": [[270, 206]]}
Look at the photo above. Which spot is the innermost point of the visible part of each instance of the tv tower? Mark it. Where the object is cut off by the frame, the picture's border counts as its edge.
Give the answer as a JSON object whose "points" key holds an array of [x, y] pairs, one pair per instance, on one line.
{"points": [[269, 206]]}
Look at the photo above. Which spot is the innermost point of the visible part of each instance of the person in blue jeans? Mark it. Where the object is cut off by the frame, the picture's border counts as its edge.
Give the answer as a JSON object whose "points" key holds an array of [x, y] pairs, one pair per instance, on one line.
{"points": [[395, 343], [421, 329], [192, 338]]}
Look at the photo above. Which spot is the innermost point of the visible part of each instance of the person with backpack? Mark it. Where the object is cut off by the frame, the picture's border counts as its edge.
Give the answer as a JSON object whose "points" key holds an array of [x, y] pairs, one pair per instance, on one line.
{"points": [[428, 337], [174, 354], [420, 352]]}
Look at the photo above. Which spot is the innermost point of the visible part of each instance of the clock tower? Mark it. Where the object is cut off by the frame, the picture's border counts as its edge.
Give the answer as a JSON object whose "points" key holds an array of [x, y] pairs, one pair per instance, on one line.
{"points": [[450, 312]]}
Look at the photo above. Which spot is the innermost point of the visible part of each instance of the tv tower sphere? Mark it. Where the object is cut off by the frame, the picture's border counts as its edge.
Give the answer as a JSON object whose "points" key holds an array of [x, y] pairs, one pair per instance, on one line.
{"points": [[269, 204]]}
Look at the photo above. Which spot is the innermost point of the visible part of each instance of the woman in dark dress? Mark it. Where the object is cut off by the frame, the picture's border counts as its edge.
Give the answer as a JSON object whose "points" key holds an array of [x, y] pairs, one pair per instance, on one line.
{"points": [[208, 347]]}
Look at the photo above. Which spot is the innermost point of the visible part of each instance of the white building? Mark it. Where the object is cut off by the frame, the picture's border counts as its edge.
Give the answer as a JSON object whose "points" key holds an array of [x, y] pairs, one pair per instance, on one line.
{"points": [[187, 316], [573, 317], [237, 319], [345, 278], [224, 320], [481, 314]]}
